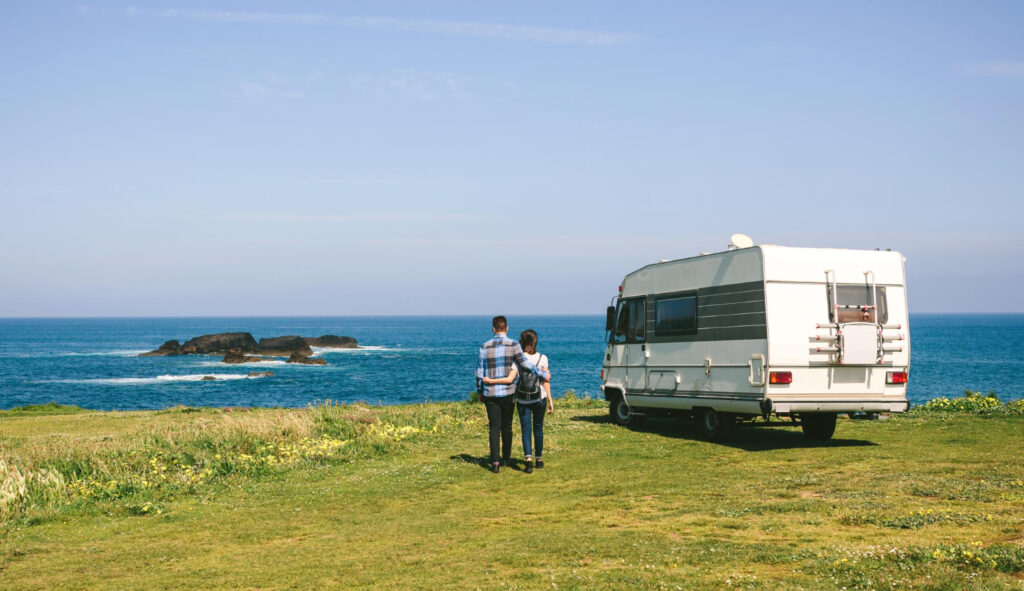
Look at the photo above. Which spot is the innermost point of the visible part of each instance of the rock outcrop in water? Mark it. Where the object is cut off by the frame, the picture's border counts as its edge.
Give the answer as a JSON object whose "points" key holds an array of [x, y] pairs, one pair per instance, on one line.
{"points": [[333, 342], [284, 346], [236, 356], [306, 359], [241, 347], [208, 344]]}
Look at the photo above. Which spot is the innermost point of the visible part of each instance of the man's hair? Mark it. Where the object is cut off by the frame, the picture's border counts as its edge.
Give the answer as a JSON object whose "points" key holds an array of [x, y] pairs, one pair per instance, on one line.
{"points": [[499, 323], [528, 341]]}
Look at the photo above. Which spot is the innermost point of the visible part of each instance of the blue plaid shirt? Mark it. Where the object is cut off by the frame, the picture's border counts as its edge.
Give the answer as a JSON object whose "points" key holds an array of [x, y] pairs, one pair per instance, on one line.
{"points": [[497, 356]]}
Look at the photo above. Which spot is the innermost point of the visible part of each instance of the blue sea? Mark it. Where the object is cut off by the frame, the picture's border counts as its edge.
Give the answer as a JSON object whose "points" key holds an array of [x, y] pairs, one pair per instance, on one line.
{"points": [[94, 363]]}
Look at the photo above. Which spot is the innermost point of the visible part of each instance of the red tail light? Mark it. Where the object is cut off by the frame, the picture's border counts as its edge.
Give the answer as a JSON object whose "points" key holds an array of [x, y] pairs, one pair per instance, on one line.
{"points": [[602, 375], [780, 377], [896, 377]]}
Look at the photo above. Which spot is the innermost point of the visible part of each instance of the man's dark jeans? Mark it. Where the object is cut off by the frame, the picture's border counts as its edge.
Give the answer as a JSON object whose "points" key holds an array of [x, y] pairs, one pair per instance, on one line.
{"points": [[499, 419]]}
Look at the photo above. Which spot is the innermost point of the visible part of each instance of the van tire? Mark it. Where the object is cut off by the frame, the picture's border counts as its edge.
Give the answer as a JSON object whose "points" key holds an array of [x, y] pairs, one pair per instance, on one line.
{"points": [[717, 425], [818, 426], [621, 414]]}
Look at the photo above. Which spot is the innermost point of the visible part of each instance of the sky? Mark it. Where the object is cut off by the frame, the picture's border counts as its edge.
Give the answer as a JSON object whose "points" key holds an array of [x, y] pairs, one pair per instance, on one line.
{"points": [[350, 158]]}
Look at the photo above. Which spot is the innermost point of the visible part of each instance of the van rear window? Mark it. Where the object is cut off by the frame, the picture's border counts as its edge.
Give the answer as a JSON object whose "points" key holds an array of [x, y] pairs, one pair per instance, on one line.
{"points": [[855, 302], [675, 316]]}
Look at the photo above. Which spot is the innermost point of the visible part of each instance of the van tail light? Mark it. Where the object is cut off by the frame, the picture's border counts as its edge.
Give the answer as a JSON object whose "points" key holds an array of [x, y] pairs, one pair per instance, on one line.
{"points": [[896, 377], [780, 377]]}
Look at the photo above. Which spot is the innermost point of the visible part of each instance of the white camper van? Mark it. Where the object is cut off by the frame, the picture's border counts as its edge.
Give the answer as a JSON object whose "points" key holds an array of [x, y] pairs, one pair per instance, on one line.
{"points": [[756, 331]]}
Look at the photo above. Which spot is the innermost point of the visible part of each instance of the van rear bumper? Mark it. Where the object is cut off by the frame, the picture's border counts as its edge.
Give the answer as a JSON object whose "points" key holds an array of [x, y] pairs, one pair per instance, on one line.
{"points": [[788, 406]]}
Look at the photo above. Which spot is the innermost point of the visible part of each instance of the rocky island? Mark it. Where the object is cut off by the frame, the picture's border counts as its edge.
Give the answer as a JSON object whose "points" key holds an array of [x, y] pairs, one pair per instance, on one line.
{"points": [[241, 347]]}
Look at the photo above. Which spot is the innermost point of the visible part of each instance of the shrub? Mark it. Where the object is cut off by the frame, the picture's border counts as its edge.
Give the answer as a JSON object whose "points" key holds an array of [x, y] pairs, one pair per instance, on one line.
{"points": [[20, 487], [972, 403]]}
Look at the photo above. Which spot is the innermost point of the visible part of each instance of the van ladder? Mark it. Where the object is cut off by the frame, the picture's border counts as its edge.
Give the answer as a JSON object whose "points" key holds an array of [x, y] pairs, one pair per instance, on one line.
{"points": [[838, 339]]}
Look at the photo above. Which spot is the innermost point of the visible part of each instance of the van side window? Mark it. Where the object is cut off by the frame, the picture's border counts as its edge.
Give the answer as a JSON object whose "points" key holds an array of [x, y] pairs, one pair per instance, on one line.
{"points": [[852, 301], [639, 321], [674, 316], [630, 322], [621, 322]]}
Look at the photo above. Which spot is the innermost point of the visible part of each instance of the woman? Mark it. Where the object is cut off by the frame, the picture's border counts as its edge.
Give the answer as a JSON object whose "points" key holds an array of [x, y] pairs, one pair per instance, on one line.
{"points": [[533, 396]]}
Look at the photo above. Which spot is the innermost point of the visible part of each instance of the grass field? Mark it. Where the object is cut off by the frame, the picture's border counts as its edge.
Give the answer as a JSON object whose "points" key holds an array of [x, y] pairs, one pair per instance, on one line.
{"points": [[396, 497]]}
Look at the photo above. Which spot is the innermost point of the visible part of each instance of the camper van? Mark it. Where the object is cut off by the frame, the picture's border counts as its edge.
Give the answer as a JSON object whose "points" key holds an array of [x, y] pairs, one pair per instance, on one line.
{"points": [[791, 335]]}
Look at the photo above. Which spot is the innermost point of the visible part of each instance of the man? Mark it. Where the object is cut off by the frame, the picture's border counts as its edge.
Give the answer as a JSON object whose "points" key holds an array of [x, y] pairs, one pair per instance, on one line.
{"points": [[497, 356]]}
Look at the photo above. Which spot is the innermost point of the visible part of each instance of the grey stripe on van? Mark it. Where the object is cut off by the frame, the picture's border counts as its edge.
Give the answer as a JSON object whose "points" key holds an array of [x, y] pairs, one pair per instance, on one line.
{"points": [[721, 309], [730, 298], [754, 318], [724, 313], [732, 287]]}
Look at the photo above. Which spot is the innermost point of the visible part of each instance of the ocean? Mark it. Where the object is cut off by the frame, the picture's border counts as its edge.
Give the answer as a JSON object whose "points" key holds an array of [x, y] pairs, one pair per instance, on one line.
{"points": [[94, 363]]}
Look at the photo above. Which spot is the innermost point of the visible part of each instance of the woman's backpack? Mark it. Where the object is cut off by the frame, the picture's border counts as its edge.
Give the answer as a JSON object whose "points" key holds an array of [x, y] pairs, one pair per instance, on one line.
{"points": [[528, 386]]}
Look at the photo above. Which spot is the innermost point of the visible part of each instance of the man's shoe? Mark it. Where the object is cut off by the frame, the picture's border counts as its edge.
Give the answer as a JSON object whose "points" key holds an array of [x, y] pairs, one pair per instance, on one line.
{"points": [[540, 463], [494, 467], [529, 467]]}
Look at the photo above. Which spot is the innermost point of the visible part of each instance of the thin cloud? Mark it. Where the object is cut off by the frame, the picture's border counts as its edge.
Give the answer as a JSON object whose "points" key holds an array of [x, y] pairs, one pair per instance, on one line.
{"points": [[355, 218], [393, 182], [424, 85], [492, 30], [258, 90], [223, 16], [995, 69], [537, 34]]}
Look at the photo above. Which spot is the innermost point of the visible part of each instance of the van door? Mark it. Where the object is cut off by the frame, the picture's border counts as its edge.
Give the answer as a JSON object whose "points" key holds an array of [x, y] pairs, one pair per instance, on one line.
{"points": [[617, 347], [636, 347], [628, 355]]}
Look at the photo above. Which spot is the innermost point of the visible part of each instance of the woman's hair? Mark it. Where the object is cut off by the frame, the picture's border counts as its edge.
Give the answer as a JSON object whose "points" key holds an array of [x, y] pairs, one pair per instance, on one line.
{"points": [[528, 340]]}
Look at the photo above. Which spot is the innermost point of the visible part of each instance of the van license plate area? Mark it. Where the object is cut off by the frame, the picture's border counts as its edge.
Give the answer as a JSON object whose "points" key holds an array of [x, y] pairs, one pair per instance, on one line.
{"points": [[849, 375]]}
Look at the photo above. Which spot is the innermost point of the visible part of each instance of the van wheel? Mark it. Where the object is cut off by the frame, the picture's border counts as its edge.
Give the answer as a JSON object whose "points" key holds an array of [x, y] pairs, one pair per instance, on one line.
{"points": [[619, 411], [717, 425], [818, 426]]}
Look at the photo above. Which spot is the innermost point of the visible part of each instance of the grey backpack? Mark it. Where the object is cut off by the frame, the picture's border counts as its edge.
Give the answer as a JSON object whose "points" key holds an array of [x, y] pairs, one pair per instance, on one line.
{"points": [[528, 387]]}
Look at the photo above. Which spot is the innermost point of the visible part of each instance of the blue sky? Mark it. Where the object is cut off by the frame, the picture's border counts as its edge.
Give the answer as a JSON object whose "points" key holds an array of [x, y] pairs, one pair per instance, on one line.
{"points": [[480, 157]]}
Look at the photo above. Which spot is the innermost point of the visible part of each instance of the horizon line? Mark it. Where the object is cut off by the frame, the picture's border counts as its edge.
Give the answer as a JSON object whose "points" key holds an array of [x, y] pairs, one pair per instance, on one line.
{"points": [[479, 315]]}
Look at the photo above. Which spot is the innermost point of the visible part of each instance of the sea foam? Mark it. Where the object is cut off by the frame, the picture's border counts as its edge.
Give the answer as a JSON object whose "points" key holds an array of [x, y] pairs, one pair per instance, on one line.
{"points": [[164, 379], [361, 349]]}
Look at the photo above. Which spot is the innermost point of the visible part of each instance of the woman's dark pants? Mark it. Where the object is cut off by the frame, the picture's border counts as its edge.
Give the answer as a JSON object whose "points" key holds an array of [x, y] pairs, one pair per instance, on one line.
{"points": [[499, 420], [531, 419]]}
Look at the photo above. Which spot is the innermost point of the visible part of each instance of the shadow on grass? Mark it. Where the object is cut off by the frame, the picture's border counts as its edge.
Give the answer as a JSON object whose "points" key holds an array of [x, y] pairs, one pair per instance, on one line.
{"points": [[485, 463], [747, 438]]}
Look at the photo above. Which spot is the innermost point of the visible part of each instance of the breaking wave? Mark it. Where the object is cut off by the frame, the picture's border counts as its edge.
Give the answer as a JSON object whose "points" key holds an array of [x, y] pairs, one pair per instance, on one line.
{"points": [[165, 379], [128, 353], [125, 353], [361, 349]]}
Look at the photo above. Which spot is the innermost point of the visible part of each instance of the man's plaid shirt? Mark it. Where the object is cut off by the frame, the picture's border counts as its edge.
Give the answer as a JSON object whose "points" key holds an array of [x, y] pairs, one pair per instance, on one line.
{"points": [[497, 356]]}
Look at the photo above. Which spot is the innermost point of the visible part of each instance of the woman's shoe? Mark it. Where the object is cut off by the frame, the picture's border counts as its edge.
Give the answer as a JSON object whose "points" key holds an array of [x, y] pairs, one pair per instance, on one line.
{"points": [[494, 467], [540, 463], [529, 467]]}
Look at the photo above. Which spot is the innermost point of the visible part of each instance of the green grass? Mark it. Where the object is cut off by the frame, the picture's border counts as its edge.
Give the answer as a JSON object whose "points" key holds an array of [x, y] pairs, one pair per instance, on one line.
{"points": [[396, 497], [50, 408]]}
